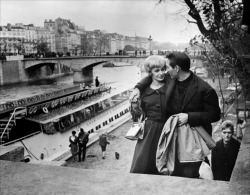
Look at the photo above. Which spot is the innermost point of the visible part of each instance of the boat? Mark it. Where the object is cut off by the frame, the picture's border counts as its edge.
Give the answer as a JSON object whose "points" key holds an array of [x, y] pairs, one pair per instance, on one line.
{"points": [[44, 130]]}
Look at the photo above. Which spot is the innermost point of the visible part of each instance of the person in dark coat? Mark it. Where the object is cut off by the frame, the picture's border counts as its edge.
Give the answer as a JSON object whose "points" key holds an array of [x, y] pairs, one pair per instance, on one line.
{"points": [[97, 83], [103, 142], [153, 105], [225, 153], [73, 145], [83, 138], [187, 95]]}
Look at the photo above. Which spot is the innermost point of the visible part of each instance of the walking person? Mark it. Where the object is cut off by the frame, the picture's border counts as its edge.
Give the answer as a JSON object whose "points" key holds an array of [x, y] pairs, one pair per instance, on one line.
{"points": [[83, 138], [152, 103], [103, 142], [225, 153], [193, 99], [73, 145]]}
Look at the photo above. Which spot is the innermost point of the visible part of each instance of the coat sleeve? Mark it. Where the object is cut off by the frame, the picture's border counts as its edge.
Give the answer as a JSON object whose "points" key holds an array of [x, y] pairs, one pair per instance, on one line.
{"points": [[211, 110], [213, 162], [144, 83]]}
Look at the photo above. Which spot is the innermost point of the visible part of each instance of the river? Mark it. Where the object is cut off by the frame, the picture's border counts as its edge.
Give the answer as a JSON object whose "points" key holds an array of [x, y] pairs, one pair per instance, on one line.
{"points": [[121, 73]]}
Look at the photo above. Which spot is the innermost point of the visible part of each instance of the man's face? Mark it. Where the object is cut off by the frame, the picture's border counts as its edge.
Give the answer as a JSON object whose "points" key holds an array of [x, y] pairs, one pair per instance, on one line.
{"points": [[226, 135], [158, 74], [172, 71]]}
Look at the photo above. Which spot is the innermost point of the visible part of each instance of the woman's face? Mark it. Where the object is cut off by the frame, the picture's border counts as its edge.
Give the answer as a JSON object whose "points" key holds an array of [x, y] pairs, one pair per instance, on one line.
{"points": [[158, 74]]}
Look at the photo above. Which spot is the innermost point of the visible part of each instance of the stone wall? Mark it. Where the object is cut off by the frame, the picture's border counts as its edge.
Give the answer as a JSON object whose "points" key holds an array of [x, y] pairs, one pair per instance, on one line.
{"points": [[10, 72]]}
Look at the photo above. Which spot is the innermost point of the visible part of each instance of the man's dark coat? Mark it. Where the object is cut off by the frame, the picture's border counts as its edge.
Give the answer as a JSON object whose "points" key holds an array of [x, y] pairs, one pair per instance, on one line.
{"points": [[200, 103], [223, 161]]}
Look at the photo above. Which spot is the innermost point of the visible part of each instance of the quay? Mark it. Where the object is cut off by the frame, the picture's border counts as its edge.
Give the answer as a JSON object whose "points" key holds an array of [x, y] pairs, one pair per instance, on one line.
{"points": [[105, 177], [27, 178]]}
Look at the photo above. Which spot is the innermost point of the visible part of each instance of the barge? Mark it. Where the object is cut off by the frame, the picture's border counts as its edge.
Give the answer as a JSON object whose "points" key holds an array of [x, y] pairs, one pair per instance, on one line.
{"points": [[45, 127]]}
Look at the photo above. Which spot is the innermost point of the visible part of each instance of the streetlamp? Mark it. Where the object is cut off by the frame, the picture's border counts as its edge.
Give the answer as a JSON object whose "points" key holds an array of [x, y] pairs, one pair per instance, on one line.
{"points": [[150, 39]]}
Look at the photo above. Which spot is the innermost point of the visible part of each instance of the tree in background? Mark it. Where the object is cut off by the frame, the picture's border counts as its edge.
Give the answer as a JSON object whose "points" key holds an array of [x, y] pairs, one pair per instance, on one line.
{"points": [[102, 43], [42, 47], [219, 21], [87, 45], [3, 45], [129, 48]]}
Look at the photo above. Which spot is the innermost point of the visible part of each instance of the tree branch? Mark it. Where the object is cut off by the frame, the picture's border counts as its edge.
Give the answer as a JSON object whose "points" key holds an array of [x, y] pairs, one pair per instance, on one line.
{"points": [[189, 21], [196, 16]]}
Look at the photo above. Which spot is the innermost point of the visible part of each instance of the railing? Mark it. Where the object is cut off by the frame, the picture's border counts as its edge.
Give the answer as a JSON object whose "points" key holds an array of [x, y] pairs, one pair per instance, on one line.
{"points": [[13, 116]]}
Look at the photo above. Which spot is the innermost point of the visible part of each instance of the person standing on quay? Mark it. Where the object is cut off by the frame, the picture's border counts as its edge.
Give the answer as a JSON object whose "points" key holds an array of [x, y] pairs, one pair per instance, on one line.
{"points": [[103, 143], [73, 145], [83, 139], [193, 99], [97, 83], [225, 153]]}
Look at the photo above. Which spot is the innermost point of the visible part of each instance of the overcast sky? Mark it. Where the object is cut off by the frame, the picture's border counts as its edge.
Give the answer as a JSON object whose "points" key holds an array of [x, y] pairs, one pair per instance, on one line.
{"points": [[128, 17]]}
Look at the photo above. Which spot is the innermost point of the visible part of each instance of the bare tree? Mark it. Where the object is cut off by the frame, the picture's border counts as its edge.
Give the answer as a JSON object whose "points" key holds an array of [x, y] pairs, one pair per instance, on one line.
{"points": [[219, 21]]}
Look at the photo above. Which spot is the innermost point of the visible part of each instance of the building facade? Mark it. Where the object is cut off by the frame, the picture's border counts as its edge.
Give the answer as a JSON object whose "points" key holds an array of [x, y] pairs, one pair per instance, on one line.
{"points": [[46, 36]]}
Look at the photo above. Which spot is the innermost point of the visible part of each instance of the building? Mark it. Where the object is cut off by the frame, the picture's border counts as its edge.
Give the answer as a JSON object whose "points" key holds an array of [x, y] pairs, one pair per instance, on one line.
{"points": [[12, 39], [68, 36], [30, 39], [46, 36]]}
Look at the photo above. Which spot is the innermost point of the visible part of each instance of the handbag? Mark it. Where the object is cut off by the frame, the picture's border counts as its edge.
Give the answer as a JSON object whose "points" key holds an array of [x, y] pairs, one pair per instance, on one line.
{"points": [[136, 131], [205, 171]]}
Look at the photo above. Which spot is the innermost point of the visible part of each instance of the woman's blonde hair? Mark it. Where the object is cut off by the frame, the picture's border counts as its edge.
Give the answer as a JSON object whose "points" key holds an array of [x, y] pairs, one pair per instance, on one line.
{"points": [[154, 62]]}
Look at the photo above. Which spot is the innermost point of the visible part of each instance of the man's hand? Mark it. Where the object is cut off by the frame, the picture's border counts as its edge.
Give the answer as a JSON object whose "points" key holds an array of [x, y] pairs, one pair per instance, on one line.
{"points": [[134, 95], [182, 119]]}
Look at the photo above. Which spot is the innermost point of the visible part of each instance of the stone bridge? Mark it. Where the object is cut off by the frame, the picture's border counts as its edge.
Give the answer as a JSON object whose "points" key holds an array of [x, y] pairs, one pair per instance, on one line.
{"points": [[79, 63], [25, 70]]}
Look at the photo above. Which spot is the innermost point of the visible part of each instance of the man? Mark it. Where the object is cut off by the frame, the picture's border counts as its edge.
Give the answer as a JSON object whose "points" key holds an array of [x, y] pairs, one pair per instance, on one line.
{"points": [[83, 139], [225, 153], [97, 83], [187, 95]]}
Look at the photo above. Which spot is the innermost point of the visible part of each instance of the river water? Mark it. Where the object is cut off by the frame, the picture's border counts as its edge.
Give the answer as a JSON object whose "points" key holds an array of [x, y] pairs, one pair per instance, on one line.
{"points": [[121, 73]]}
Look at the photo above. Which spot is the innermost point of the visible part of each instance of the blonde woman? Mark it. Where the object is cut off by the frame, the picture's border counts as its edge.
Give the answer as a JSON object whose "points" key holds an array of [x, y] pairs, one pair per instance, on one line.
{"points": [[153, 103]]}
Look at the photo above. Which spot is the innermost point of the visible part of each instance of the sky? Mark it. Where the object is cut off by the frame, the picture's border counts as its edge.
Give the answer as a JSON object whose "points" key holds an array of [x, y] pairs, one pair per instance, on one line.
{"points": [[165, 22]]}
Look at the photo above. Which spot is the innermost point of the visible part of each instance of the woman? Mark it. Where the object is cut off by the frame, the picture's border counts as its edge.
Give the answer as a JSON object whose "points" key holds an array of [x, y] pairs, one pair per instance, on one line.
{"points": [[153, 103], [73, 145], [103, 143]]}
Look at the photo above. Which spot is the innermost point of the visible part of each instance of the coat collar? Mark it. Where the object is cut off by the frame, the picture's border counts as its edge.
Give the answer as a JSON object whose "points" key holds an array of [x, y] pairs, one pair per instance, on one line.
{"points": [[149, 90]]}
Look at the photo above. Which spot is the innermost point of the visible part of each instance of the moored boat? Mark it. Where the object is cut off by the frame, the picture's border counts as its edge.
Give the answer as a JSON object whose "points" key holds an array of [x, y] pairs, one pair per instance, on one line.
{"points": [[45, 130]]}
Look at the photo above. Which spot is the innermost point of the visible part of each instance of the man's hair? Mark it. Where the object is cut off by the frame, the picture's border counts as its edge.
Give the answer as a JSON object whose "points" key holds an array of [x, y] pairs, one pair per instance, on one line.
{"points": [[227, 124], [179, 58], [73, 132], [81, 129], [154, 62]]}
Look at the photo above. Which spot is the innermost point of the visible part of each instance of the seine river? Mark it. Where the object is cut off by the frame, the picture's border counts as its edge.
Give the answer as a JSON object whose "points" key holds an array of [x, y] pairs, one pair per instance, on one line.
{"points": [[120, 73]]}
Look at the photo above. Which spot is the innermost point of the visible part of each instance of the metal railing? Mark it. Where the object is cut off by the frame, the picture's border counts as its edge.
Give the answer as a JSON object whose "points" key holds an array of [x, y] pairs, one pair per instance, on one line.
{"points": [[13, 116]]}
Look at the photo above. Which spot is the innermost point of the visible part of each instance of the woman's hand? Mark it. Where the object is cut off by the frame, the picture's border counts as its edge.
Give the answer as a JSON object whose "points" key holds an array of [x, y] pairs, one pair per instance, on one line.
{"points": [[134, 95]]}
